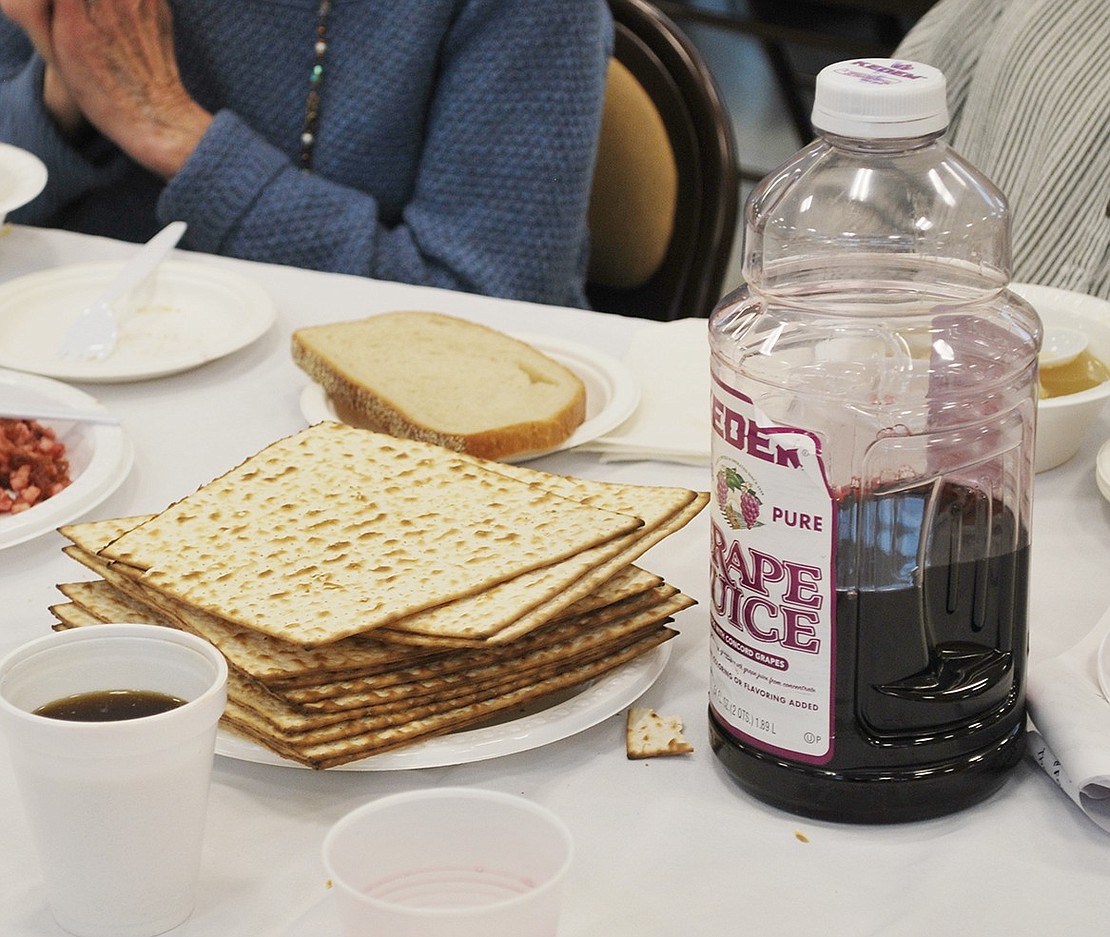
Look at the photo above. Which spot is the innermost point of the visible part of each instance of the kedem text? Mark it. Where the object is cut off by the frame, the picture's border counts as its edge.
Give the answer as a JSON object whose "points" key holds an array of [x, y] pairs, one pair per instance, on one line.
{"points": [[748, 436]]}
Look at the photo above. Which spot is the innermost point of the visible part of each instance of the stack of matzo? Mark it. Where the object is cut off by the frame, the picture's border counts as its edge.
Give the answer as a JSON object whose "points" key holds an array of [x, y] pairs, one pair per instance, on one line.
{"points": [[369, 592]]}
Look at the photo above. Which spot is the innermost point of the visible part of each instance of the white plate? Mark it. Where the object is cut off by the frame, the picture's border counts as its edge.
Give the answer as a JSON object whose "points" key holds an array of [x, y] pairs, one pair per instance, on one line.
{"points": [[1102, 665], [22, 177], [1102, 471], [99, 456], [189, 313], [600, 699], [612, 391]]}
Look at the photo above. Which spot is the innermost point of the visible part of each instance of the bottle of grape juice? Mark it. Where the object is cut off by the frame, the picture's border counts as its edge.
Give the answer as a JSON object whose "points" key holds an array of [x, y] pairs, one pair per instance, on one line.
{"points": [[874, 389]]}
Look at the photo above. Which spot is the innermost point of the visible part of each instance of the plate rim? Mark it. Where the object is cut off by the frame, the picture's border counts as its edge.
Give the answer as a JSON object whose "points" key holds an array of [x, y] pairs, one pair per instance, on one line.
{"points": [[607, 697], [623, 386], [113, 457], [34, 177], [1102, 472], [1102, 666], [257, 316]]}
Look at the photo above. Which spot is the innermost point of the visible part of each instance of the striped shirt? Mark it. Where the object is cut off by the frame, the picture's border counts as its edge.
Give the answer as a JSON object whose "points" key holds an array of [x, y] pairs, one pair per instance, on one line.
{"points": [[1029, 94]]}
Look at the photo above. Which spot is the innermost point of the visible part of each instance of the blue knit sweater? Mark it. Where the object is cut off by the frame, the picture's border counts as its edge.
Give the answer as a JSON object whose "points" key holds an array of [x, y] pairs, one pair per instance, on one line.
{"points": [[455, 146]]}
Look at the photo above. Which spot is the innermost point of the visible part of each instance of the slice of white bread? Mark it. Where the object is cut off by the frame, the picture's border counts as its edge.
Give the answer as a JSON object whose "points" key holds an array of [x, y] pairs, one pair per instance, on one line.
{"points": [[443, 380]]}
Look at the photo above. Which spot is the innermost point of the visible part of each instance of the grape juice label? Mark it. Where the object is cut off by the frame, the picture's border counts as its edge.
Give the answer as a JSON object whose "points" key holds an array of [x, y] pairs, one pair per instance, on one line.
{"points": [[772, 608]]}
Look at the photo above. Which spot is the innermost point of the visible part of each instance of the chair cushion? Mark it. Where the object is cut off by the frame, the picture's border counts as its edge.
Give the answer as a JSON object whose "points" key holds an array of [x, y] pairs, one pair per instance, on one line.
{"points": [[632, 204]]}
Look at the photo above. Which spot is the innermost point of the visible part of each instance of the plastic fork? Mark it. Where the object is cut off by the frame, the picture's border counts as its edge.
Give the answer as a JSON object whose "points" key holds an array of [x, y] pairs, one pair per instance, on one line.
{"points": [[59, 413], [93, 334]]}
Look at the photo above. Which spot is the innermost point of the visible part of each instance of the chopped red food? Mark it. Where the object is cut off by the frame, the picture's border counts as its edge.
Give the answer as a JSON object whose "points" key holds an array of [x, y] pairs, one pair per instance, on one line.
{"points": [[33, 465]]}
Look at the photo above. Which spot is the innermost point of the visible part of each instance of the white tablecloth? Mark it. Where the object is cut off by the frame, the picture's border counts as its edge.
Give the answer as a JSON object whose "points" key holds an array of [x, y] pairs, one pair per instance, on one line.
{"points": [[666, 847]]}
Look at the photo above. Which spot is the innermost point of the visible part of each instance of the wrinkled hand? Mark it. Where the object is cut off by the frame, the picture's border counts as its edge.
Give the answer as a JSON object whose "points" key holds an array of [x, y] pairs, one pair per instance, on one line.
{"points": [[117, 63]]}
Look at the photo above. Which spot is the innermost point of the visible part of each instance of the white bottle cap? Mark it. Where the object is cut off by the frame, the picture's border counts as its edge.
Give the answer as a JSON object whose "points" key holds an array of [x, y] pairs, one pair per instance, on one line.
{"points": [[880, 98]]}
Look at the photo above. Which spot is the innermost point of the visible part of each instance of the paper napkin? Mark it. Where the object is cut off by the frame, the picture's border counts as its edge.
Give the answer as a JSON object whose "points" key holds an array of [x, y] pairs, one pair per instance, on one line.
{"points": [[1070, 737], [671, 424]]}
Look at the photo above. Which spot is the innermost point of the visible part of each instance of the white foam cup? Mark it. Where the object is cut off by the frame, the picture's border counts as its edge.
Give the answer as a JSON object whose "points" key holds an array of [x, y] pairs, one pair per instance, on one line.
{"points": [[448, 862], [116, 809]]}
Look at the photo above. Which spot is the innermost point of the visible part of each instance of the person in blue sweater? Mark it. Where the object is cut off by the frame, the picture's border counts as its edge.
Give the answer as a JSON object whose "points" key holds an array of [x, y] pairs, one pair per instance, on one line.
{"points": [[442, 142]]}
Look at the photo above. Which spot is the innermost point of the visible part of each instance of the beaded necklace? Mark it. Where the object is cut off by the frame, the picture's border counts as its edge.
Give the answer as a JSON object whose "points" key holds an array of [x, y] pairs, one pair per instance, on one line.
{"points": [[315, 80]]}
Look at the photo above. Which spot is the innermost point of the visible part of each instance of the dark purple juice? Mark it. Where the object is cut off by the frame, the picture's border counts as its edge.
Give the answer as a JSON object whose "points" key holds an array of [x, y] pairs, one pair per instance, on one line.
{"points": [[928, 712]]}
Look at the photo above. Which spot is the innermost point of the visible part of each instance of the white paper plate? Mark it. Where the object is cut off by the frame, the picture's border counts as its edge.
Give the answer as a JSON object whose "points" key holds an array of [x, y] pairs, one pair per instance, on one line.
{"points": [[612, 391], [100, 457], [188, 313], [1102, 665], [22, 177], [1102, 471], [596, 702]]}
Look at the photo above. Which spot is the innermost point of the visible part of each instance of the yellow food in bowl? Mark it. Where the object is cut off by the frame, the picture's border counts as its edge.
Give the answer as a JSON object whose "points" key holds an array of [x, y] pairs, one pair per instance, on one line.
{"points": [[1076, 376]]}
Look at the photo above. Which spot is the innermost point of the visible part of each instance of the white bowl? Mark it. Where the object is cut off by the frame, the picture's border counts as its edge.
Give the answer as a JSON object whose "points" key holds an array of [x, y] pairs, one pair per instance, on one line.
{"points": [[1064, 422]]}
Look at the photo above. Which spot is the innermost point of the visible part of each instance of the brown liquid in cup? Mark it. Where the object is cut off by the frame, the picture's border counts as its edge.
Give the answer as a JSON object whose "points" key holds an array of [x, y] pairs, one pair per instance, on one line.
{"points": [[109, 705]]}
